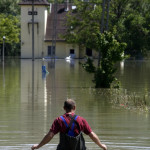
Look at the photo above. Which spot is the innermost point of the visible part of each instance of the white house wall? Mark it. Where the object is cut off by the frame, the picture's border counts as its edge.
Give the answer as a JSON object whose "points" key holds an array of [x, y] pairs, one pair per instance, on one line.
{"points": [[39, 31], [62, 49]]}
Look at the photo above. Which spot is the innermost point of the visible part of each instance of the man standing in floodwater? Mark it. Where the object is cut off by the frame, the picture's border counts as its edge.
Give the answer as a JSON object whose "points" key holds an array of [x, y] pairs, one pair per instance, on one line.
{"points": [[70, 127]]}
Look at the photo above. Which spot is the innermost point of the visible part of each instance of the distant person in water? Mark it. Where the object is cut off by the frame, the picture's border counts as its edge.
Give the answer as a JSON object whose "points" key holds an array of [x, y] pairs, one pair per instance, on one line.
{"points": [[70, 127]]}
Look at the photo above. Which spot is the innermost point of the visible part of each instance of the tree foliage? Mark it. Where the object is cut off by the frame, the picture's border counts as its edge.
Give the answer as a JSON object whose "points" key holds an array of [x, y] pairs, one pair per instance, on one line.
{"points": [[111, 52], [84, 25], [84, 29], [9, 27], [10, 7], [131, 19]]}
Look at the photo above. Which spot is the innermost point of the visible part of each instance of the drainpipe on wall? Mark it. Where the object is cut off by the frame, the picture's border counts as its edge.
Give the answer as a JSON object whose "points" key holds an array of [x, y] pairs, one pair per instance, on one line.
{"points": [[67, 5], [50, 7]]}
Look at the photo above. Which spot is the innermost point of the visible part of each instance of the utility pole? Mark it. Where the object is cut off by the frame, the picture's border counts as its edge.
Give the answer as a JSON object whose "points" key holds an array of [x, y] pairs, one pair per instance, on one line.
{"points": [[101, 28], [32, 30], [54, 34]]}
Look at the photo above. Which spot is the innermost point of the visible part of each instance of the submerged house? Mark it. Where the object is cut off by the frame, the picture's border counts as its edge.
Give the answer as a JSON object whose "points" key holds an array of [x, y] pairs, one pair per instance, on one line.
{"points": [[49, 24]]}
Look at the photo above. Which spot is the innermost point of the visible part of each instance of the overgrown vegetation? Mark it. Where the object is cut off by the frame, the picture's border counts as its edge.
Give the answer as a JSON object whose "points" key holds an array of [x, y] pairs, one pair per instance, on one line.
{"points": [[130, 100], [123, 99]]}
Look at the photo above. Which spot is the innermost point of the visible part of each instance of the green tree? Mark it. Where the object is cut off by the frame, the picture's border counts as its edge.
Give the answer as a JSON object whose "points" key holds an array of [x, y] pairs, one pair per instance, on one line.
{"points": [[10, 7], [84, 30], [129, 17], [136, 35], [9, 27], [111, 52]]}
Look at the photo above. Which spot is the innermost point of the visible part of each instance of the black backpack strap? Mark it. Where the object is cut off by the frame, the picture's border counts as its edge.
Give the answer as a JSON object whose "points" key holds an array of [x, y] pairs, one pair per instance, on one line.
{"points": [[73, 120]]}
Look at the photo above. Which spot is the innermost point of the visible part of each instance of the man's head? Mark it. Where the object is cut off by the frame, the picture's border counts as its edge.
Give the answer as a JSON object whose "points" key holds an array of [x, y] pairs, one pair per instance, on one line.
{"points": [[69, 105]]}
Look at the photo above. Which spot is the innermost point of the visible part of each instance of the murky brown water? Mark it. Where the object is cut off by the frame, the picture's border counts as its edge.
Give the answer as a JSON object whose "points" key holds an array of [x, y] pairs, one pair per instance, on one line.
{"points": [[30, 101]]}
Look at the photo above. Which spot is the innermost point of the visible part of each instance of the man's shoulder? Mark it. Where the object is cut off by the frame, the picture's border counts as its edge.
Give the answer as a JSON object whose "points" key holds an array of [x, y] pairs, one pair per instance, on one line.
{"points": [[57, 119], [80, 118]]}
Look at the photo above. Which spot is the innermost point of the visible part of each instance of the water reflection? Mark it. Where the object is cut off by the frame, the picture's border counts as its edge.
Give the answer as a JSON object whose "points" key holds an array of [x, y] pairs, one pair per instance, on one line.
{"points": [[135, 75], [3, 74], [51, 63], [32, 84], [122, 67], [29, 104], [71, 62]]}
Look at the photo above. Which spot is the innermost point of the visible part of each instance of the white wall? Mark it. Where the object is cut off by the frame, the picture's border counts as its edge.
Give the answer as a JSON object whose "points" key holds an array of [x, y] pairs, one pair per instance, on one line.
{"points": [[39, 31], [62, 49]]}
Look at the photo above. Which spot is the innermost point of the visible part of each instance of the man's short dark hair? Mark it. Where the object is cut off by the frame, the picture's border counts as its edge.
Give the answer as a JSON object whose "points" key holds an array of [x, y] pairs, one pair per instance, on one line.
{"points": [[69, 104]]}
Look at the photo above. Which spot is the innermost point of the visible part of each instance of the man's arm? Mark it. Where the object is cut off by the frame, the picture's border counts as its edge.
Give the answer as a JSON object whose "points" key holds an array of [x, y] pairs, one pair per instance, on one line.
{"points": [[45, 140], [95, 138]]}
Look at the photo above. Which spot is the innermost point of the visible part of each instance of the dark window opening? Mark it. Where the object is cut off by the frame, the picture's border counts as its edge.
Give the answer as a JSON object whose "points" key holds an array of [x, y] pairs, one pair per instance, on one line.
{"points": [[61, 10], [51, 50], [71, 51], [88, 52]]}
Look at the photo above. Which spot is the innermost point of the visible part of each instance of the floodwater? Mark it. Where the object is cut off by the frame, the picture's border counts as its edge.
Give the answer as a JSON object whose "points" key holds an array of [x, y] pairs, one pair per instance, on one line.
{"points": [[30, 101]]}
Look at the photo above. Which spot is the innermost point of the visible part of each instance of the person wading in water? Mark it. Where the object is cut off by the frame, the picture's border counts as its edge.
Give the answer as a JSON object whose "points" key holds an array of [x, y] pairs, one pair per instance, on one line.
{"points": [[70, 127]]}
